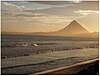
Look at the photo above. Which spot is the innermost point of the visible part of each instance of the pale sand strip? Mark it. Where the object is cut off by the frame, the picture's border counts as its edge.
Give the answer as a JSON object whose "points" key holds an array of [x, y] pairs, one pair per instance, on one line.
{"points": [[86, 54]]}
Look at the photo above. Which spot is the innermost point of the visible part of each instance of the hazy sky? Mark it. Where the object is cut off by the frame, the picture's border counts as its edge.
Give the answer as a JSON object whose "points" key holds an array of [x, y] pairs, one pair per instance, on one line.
{"points": [[40, 16]]}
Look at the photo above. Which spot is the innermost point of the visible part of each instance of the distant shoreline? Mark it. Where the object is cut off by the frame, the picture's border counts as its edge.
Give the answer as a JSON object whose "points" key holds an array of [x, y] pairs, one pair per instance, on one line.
{"points": [[28, 34]]}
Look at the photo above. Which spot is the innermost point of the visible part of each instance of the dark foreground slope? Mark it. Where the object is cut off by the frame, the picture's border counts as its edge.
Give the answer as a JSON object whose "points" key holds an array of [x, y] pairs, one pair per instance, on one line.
{"points": [[91, 70], [90, 67]]}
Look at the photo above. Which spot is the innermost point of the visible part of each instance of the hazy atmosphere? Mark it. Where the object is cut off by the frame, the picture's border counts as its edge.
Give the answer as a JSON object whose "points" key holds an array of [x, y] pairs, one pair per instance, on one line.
{"points": [[19, 16], [50, 37]]}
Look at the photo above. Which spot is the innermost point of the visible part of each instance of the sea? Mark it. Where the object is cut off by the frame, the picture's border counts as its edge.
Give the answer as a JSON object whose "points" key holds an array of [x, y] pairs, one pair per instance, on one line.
{"points": [[13, 45], [30, 54]]}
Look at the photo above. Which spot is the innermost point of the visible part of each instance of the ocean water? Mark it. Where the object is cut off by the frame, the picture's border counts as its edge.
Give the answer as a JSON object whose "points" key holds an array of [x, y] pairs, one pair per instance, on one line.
{"points": [[23, 45], [29, 54], [42, 40]]}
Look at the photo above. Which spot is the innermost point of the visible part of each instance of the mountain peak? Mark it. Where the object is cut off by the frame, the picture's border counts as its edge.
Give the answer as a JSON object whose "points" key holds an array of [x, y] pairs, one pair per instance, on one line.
{"points": [[75, 23], [73, 28]]}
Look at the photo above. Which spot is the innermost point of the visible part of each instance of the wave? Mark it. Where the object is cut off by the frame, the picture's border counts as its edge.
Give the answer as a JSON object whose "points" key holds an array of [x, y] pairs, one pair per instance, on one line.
{"points": [[26, 44]]}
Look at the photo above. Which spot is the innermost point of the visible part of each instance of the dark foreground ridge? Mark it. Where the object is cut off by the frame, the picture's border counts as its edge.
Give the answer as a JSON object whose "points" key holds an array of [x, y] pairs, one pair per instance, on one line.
{"points": [[91, 70], [85, 68]]}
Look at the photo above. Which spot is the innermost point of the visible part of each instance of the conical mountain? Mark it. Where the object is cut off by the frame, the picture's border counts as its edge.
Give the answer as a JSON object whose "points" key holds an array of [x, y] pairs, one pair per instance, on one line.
{"points": [[74, 28]]}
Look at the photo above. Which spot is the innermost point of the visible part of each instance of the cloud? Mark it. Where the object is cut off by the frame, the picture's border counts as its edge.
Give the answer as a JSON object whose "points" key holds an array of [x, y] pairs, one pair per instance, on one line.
{"points": [[34, 5], [29, 14], [35, 14], [66, 9], [76, 1], [11, 6], [10, 9], [56, 3], [53, 2], [86, 12], [51, 20]]}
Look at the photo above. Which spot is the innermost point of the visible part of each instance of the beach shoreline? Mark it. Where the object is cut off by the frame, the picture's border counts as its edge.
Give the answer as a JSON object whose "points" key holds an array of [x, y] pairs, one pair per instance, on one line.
{"points": [[46, 61], [88, 67]]}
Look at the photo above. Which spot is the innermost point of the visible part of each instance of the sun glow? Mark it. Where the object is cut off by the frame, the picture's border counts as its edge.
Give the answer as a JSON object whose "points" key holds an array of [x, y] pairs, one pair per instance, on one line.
{"points": [[76, 1]]}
